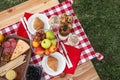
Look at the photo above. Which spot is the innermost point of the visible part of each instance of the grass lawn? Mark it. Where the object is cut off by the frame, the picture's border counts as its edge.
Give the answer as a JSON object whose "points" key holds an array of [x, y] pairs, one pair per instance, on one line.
{"points": [[101, 22]]}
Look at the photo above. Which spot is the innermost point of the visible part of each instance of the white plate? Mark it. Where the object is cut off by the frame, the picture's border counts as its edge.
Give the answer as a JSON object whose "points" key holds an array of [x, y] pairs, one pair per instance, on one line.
{"points": [[43, 17], [61, 64]]}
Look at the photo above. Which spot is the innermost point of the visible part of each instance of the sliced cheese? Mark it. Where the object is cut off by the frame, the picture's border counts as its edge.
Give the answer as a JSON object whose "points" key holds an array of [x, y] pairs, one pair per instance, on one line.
{"points": [[20, 48]]}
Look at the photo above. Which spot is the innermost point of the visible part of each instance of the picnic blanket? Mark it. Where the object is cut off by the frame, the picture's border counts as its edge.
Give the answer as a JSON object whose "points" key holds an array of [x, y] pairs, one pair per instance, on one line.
{"points": [[87, 51]]}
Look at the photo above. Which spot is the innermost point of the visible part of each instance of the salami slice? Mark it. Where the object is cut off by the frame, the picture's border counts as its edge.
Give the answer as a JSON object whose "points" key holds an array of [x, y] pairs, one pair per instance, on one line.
{"points": [[12, 40], [13, 44], [11, 50], [6, 44], [6, 50]]}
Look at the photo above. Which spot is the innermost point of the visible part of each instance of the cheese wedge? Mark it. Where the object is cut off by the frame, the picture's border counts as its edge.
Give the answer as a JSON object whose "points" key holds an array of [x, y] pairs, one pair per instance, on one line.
{"points": [[20, 48]]}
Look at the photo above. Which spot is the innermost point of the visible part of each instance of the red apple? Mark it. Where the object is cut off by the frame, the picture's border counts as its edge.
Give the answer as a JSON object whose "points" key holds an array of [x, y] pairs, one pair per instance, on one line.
{"points": [[39, 50]]}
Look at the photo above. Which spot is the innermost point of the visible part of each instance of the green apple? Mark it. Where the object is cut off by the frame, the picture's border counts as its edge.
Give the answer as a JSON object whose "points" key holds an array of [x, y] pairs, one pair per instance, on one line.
{"points": [[53, 42], [50, 34], [46, 43]]}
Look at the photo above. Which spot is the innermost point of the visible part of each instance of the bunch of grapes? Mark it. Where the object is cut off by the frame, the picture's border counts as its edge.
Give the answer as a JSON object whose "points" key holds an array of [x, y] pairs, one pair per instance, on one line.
{"points": [[39, 36]]}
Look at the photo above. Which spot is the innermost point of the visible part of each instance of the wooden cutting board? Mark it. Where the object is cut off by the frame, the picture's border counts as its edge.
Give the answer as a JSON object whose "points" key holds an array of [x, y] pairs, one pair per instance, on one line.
{"points": [[85, 71], [21, 70]]}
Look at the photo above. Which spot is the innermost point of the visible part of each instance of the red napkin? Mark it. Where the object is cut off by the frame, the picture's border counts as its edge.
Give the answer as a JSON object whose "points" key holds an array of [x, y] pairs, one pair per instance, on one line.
{"points": [[74, 55], [21, 31]]}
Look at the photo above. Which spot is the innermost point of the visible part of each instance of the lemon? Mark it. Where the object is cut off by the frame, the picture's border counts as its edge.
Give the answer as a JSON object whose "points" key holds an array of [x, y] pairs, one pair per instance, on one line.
{"points": [[11, 75], [1, 38]]}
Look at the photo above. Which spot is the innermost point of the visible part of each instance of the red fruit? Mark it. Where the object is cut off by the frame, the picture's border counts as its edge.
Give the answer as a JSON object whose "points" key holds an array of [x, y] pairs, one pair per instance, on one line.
{"points": [[39, 50]]}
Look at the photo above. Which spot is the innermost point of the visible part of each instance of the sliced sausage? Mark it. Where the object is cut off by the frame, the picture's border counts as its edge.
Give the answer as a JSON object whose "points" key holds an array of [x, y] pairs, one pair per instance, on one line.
{"points": [[12, 40], [11, 50], [13, 44], [6, 50], [6, 44]]}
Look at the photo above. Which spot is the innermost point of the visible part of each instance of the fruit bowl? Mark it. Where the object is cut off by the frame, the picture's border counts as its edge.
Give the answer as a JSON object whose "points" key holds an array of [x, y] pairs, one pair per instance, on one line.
{"points": [[44, 42]]}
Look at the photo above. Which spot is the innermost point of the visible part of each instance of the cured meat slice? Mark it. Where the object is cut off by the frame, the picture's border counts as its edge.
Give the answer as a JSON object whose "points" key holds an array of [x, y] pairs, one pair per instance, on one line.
{"points": [[12, 40], [6, 50], [13, 44], [11, 50], [6, 44]]}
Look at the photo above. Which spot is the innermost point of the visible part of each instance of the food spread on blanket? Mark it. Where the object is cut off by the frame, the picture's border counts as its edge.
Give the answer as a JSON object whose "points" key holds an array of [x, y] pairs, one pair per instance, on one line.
{"points": [[44, 42], [12, 56]]}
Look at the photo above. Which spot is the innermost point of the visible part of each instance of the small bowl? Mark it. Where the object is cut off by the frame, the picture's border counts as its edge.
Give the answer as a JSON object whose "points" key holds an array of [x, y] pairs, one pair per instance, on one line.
{"points": [[30, 72]]}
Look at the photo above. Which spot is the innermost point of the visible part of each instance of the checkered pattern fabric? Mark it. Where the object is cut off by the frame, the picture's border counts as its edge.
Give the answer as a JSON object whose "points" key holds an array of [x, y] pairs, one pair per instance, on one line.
{"points": [[88, 52]]}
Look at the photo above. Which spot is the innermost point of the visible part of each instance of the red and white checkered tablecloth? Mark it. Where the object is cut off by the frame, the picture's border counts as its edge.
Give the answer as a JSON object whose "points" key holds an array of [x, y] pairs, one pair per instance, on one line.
{"points": [[88, 52]]}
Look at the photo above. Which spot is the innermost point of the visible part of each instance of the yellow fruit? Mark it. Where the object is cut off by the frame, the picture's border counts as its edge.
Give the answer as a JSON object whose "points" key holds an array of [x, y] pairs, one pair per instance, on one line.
{"points": [[1, 38], [35, 44], [11, 75]]}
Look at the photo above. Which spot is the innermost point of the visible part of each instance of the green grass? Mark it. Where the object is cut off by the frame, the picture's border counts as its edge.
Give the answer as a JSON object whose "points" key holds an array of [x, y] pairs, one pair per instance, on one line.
{"points": [[4, 4], [101, 22]]}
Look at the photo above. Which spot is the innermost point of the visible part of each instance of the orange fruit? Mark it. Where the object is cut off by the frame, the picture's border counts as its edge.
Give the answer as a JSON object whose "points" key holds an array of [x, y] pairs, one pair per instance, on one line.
{"points": [[1, 38], [35, 44]]}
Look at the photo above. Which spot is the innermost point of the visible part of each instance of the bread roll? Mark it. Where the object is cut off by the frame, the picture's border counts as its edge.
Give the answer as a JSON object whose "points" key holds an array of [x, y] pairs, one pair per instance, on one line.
{"points": [[38, 24], [52, 63]]}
